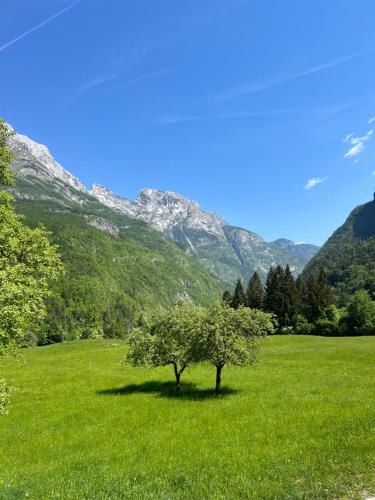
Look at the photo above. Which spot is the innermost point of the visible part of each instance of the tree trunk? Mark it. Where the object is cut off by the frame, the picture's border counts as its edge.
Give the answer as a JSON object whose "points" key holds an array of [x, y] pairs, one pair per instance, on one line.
{"points": [[178, 379], [218, 378]]}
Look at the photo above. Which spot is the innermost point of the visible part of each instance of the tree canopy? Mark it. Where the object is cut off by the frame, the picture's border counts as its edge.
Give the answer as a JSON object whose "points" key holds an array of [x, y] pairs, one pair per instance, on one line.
{"points": [[167, 337], [232, 336], [185, 334], [28, 263]]}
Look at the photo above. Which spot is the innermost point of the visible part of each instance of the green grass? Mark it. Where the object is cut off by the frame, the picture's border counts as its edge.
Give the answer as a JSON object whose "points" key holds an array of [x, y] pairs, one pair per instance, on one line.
{"points": [[299, 425]]}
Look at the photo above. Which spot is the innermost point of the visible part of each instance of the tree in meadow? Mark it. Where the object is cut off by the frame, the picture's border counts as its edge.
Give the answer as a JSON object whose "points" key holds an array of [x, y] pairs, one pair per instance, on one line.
{"points": [[231, 336], [238, 298], [255, 293], [167, 336]]}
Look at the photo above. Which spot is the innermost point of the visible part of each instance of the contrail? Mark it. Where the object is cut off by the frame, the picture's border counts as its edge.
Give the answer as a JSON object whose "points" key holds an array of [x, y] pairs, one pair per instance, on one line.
{"points": [[249, 89], [38, 26]]}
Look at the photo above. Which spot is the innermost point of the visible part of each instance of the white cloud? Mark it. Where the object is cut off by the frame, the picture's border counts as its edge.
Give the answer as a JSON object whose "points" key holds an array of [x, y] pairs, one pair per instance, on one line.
{"points": [[38, 26], [371, 120], [314, 182], [357, 143], [355, 150]]}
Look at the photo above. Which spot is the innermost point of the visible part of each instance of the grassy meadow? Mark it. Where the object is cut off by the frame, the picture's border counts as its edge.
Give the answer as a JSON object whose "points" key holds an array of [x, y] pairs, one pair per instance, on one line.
{"points": [[82, 425]]}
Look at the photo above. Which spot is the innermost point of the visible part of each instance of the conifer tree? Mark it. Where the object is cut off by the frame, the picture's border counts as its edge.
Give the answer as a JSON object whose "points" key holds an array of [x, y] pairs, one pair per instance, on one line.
{"points": [[238, 298], [255, 293], [269, 292], [300, 294], [227, 297], [290, 302], [281, 295], [318, 295]]}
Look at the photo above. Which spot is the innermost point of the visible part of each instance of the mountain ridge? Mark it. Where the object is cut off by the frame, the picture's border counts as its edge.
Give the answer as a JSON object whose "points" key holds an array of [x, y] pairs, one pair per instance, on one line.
{"points": [[227, 251]]}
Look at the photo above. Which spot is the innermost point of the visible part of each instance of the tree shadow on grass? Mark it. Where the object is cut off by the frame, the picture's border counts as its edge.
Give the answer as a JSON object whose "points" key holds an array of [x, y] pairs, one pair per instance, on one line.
{"points": [[168, 390]]}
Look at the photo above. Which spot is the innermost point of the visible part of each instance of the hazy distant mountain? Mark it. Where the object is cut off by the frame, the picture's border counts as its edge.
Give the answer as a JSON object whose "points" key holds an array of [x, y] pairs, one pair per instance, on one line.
{"points": [[349, 254], [304, 251]]}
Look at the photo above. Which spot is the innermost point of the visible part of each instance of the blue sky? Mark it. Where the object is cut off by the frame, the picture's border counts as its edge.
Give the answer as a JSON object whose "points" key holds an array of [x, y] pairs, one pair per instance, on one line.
{"points": [[260, 110]]}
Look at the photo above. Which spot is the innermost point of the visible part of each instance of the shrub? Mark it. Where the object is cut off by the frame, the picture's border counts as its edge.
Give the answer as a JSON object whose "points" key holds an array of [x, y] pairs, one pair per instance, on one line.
{"points": [[360, 315], [302, 326]]}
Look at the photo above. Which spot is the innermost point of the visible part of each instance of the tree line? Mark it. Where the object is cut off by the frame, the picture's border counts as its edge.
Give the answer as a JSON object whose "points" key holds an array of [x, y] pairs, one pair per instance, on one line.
{"points": [[304, 306]]}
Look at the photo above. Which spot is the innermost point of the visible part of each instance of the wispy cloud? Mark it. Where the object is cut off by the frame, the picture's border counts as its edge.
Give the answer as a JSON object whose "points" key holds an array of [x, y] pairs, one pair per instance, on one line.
{"points": [[142, 78], [357, 143], [314, 182], [97, 82], [38, 26], [112, 77], [371, 120], [170, 120], [249, 89]]}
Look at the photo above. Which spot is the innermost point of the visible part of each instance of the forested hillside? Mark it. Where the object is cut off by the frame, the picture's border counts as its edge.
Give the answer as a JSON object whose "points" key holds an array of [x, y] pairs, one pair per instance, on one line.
{"points": [[349, 255], [115, 268]]}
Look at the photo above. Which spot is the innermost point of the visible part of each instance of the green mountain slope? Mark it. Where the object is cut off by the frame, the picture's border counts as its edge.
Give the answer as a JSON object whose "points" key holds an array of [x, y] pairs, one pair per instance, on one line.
{"points": [[116, 266], [349, 255]]}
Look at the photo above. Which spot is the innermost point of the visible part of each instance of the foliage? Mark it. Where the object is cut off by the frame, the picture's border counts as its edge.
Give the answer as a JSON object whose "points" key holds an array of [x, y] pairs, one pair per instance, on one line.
{"points": [[185, 334], [255, 293], [360, 315], [238, 298], [231, 336], [302, 326], [329, 324], [168, 336], [110, 280], [227, 297], [28, 264], [349, 255], [281, 295], [6, 156], [319, 295]]}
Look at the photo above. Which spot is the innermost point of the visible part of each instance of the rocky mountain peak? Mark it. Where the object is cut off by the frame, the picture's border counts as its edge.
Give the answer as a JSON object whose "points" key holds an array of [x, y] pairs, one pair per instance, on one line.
{"points": [[35, 159], [227, 251]]}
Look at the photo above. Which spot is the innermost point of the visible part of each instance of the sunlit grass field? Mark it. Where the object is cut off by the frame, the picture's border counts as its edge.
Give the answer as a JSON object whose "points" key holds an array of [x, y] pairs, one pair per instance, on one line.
{"points": [[82, 425]]}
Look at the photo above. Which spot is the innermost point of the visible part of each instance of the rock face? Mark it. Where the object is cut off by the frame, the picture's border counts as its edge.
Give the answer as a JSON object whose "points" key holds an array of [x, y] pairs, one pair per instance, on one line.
{"points": [[227, 251], [33, 159], [304, 251]]}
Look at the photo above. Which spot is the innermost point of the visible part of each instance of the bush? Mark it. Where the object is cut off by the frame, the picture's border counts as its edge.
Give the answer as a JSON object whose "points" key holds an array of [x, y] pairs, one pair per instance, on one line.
{"points": [[329, 324], [327, 328], [302, 326], [360, 315]]}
